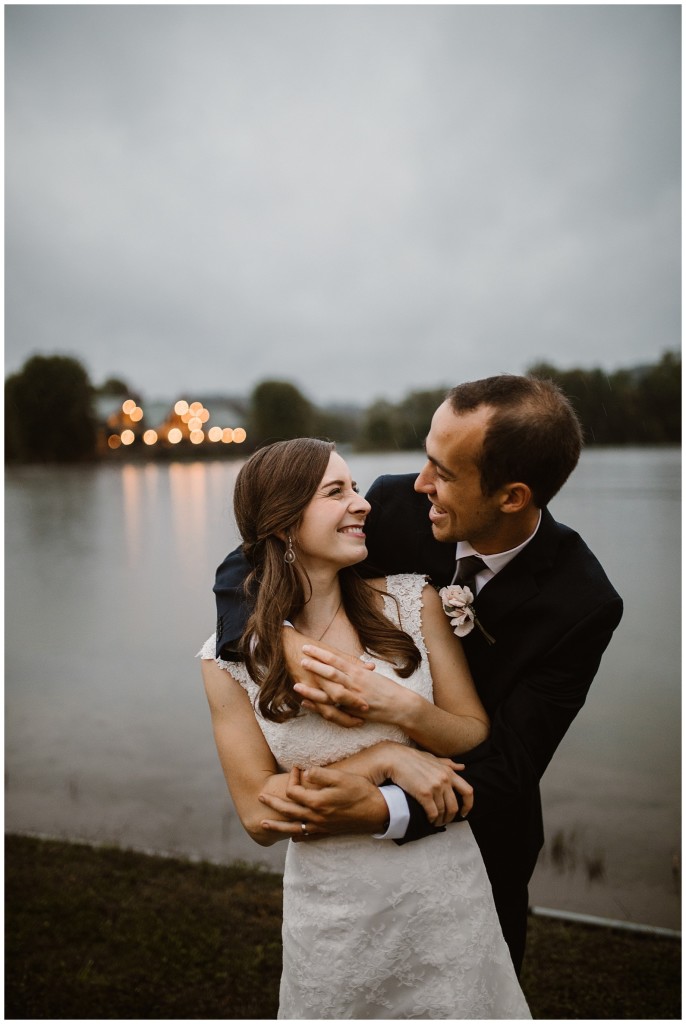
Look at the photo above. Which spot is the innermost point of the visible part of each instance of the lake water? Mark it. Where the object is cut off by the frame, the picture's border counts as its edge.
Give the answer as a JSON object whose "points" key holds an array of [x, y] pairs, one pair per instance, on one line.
{"points": [[108, 597]]}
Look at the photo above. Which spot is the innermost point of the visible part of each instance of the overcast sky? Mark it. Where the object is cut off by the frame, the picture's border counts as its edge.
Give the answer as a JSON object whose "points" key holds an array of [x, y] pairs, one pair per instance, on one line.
{"points": [[364, 200]]}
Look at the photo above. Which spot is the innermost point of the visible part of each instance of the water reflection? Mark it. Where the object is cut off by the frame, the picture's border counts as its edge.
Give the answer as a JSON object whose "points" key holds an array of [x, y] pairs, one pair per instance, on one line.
{"points": [[133, 509]]}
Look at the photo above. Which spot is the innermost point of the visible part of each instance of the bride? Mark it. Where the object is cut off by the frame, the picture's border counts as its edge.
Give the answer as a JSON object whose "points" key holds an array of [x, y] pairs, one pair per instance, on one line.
{"points": [[371, 929]]}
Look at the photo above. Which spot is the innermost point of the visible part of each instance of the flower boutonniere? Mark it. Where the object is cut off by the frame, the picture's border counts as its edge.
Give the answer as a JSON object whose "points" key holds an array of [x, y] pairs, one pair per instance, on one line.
{"points": [[458, 606]]}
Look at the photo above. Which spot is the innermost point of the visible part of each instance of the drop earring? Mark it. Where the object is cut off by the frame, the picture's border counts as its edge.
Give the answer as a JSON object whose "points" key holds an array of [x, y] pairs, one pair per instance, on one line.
{"points": [[289, 555]]}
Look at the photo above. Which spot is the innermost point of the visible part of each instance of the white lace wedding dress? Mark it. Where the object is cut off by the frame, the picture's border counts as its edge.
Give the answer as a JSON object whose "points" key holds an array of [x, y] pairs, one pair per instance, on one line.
{"points": [[376, 930]]}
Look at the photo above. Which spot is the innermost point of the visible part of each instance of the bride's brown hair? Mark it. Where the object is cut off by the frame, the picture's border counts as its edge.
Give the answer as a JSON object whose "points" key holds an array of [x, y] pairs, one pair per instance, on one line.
{"points": [[272, 491]]}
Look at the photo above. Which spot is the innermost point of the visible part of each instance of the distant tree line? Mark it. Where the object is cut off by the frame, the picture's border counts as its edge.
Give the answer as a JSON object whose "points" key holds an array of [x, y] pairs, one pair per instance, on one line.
{"points": [[638, 406], [50, 417]]}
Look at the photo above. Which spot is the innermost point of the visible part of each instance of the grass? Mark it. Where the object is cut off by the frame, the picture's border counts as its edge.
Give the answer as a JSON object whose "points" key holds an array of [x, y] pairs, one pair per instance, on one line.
{"points": [[102, 933]]}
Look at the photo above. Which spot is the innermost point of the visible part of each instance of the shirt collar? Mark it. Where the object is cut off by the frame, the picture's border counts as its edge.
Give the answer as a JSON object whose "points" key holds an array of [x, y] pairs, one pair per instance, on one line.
{"points": [[500, 559]]}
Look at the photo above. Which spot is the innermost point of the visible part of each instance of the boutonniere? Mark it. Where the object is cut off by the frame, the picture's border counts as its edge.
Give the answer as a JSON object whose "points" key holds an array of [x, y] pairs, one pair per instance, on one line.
{"points": [[458, 606]]}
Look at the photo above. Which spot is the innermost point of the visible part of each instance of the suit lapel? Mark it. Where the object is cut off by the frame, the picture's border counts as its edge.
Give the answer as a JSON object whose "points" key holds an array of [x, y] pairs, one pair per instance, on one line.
{"points": [[518, 582]]}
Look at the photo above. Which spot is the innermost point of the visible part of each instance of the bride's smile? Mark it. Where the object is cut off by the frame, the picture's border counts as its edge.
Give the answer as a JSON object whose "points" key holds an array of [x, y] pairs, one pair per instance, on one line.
{"points": [[331, 531]]}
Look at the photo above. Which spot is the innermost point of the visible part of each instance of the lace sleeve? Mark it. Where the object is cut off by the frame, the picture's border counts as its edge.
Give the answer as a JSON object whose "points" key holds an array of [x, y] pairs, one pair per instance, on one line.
{"points": [[207, 651], [407, 589], [235, 668]]}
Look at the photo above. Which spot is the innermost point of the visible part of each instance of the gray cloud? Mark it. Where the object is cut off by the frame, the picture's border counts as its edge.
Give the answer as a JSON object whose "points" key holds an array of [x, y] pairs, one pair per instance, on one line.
{"points": [[363, 200]]}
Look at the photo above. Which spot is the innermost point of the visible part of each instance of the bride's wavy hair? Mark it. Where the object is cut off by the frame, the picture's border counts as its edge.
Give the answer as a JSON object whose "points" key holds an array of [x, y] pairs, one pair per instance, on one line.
{"points": [[272, 491]]}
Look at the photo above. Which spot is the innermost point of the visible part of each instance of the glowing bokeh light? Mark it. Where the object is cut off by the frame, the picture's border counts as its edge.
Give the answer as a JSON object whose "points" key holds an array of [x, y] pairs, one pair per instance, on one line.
{"points": [[128, 406], [197, 436], [174, 435], [195, 407], [150, 436], [204, 415], [194, 423], [239, 435], [186, 416], [136, 414], [215, 434], [181, 407], [114, 441], [227, 435], [127, 437]]}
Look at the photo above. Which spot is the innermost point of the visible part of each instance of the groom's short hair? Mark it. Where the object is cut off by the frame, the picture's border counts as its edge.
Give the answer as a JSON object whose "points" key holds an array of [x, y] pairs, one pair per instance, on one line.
{"points": [[533, 436]]}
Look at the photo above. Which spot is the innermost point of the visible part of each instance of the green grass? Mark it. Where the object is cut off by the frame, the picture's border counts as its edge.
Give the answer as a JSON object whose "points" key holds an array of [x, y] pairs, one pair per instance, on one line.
{"points": [[106, 933]]}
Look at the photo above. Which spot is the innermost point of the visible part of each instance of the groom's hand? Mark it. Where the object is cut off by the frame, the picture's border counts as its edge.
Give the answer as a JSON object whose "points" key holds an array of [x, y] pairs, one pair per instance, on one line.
{"points": [[328, 802]]}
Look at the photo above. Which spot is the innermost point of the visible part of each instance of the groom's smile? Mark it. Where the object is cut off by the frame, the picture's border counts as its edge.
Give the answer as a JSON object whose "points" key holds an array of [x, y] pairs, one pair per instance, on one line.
{"points": [[436, 514]]}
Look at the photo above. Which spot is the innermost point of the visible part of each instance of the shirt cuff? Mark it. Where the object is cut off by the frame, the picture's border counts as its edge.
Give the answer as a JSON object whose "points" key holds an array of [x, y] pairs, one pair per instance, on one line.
{"points": [[398, 811]]}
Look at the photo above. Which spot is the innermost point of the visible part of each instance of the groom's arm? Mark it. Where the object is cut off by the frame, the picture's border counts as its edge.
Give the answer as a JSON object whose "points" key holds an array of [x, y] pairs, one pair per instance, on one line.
{"points": [[529, 725], [233, 607], [346, 798]]}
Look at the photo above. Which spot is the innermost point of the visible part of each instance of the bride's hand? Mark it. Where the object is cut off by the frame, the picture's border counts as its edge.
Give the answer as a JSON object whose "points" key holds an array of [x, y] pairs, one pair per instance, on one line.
{"points": [[308, 682], [348, 685], [432, 781]]}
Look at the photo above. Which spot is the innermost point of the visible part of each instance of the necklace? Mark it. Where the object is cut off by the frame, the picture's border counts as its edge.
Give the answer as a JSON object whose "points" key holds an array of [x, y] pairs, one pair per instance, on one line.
{"points": [[331, 623]]}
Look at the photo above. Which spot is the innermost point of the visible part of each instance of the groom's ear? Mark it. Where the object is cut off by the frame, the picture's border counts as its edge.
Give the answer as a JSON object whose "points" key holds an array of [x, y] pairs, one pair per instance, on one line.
{"points": [[515, 497]]}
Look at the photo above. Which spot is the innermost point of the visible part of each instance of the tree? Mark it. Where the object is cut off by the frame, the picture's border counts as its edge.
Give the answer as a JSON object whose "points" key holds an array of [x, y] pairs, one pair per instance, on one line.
{"points": [[415, 413], [381, 428], [278, 412], [340, 425], [116, 387], [49, 412]]}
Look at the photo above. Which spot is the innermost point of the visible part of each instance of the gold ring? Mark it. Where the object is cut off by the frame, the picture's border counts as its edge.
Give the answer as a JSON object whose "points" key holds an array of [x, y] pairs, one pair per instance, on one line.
{"points": [[303, 828]]}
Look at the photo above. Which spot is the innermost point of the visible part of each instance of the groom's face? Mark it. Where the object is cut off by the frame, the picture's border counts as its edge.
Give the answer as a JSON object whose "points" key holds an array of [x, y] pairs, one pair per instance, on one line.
{"points": [[452, 482]]}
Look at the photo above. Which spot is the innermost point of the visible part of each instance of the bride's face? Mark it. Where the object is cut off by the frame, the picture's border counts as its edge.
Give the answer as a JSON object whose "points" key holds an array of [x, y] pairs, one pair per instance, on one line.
{"points": [[331, 531]]}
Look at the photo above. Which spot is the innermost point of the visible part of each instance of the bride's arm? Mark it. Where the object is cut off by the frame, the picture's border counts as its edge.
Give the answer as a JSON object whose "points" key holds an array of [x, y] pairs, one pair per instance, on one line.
{"points": [[432, 781], [456, 712], [247, 762], [255, 782], [335, 799], [252, 774], [454, 723]]}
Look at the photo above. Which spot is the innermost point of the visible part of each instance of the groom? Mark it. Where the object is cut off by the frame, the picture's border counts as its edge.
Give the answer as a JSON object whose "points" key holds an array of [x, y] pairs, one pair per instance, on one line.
{"points": [[497, 452]]}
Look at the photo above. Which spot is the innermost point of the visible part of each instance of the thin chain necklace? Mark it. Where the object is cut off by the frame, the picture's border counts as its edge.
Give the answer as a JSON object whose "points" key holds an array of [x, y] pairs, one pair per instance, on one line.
{"points": [[331, 623]]}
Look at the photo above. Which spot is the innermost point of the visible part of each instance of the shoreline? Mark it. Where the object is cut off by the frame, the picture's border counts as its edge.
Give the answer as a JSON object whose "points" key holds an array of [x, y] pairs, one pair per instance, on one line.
{"points": [[537, 907]]}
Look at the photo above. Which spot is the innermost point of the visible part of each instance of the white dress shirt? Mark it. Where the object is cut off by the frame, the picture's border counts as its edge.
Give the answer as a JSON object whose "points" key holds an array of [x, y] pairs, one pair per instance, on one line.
{"points": [[398, 809]]}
